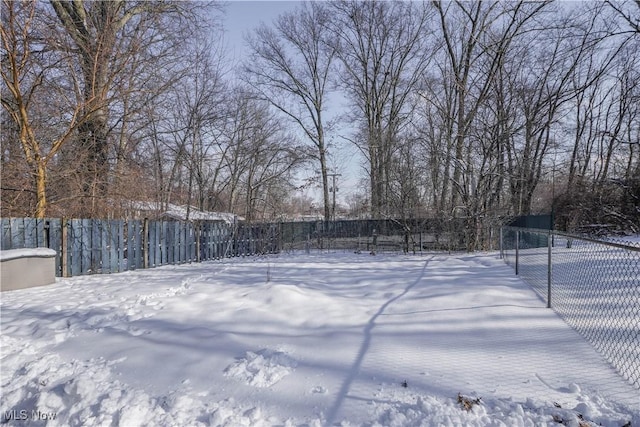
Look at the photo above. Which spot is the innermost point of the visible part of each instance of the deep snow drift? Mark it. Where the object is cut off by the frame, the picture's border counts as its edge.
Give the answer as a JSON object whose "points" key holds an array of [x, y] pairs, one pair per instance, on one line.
{"points": [[295, 340]]}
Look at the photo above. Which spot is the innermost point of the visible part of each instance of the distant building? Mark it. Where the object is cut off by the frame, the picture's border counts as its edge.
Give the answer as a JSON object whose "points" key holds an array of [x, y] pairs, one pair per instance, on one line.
{"points": [[179, 212]]}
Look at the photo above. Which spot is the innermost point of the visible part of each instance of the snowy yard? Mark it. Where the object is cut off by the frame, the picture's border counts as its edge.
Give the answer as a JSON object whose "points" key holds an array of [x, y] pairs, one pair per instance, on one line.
{"points": [[303, 340]]}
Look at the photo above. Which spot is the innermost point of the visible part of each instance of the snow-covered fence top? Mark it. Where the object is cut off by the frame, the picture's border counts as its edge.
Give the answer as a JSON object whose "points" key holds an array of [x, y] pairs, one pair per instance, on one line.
{"points": [[88, 246], [594, 285]]}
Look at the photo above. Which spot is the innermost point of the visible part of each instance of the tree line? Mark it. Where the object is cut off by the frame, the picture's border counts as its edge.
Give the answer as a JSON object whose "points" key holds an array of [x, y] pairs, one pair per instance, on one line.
{"points": [[475, 110]]}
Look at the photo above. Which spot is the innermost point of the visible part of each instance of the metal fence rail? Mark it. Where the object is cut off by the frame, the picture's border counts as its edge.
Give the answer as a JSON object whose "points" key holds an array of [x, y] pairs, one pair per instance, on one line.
{"points": [[593, 285], [89, 246]]}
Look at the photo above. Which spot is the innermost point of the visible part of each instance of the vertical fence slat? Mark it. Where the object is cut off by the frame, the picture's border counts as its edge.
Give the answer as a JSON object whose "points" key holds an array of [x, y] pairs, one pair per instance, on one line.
{"points": [[129, 259], [86, 246], [55, 242], [121, 246], [212, 240], [99, 246], [66, 249], [158, 248], [187, 242], [182, 243], [6, 234], [132, 245], [184, 237], [140, 250], [41, 237], [153, 244], [17, 233], [216, 241], [176, 243], [114, 245], [167, 246], [105, 245], [204, 246], [164, 250], [30, 237], [75, 237], [195, 242]]}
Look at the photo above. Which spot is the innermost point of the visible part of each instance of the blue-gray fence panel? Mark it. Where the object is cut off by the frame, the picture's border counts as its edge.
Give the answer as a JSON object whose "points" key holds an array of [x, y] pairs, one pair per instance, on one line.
{"points": [[102, 232], [121, 246], [98, 231], [53, 230], [132, 240], [6, 234], [170, 246], [137, 245], [153, 245], [75, 240], [186, 242], [192, 242], [43, 239], [87, 244], [17, 233], [176, 243], [139, 250], [167, 255], [158, 237], [211, 240], [117, 248], [109, 246], [129, 255], [30, 237], [201, 233], [179, 241]]}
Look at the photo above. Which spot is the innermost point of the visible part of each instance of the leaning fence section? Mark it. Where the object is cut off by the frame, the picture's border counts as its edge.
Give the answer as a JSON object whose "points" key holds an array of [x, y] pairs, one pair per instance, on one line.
{"points": [[89, 246], [593, 285]]}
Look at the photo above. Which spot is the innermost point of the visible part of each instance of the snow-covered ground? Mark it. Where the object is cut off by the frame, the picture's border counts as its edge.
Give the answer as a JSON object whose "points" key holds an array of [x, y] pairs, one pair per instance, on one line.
{"points": [[302, 340]]}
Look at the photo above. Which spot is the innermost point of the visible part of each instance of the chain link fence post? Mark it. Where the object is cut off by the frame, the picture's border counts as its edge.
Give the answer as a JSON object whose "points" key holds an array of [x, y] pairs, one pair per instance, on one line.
{"points": [[517, 250], [549, 268]]}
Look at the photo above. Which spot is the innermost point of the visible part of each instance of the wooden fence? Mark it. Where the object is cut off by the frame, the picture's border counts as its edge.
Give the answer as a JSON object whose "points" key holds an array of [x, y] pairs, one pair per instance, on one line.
{"points": [[88, 246]]}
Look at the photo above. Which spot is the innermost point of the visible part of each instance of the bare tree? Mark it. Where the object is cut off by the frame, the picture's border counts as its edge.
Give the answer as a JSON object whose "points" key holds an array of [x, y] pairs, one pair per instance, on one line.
{"points": [[34, 74], [382, 52], [200, 93], [629, 11], [106, 38], [290, 66], [259, 155], [603, 179], [477, 37]]}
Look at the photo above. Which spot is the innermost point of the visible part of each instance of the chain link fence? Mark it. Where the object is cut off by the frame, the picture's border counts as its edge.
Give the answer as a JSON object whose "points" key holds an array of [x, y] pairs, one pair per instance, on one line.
{"points": [[593, 285]]}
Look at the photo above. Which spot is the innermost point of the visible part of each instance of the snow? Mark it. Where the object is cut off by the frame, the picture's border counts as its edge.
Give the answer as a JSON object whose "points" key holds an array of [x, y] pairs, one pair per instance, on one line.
{"points": [[302, 340], [10, 254]]}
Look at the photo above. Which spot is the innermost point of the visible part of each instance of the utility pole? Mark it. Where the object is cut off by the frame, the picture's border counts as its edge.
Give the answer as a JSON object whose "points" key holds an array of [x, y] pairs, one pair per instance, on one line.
{"points": [[334, 177]]}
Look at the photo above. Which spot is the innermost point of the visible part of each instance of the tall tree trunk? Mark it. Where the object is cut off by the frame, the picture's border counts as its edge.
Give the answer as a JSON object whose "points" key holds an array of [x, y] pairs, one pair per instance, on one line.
{"points": [[41, 190]]}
